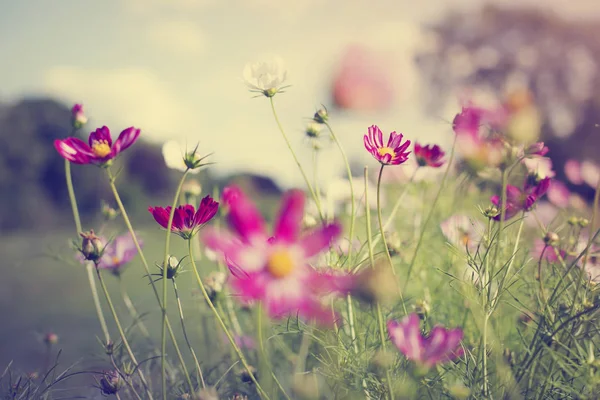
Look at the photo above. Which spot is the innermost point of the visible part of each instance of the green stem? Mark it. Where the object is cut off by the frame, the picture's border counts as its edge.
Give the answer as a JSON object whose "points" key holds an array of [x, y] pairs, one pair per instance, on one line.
{"points": [[435, 200], [122, 333], [589, 244], [380, 321], [503, 196], [352, 200], [303, 352], [133, 312], [287, 141], [382, 231], [496, 297], [239, 353], [127, 221], [264, 359], [187, 340], [163, 337], [88, 266]]}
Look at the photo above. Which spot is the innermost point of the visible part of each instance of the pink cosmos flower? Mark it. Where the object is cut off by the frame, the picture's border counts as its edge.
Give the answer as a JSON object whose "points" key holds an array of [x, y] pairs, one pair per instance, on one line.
{"points": [[275, 270], [116, 253], [590, 173], [439, 346], [362, 82], [462, 231], [394, 153], [518, 199], [429, 155], [475, 146], [559, 194], [100, 148], [573, 171], [537, 149], [186, 219]]}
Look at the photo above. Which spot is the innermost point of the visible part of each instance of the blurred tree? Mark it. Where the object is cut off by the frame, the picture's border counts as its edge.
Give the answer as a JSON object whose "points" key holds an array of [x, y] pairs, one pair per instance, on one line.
{"points": [[501, 50], [32, 177]]}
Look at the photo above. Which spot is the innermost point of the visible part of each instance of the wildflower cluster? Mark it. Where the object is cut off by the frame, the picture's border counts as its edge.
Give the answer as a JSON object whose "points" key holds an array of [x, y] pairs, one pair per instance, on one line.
{"points": [[329, 299]]}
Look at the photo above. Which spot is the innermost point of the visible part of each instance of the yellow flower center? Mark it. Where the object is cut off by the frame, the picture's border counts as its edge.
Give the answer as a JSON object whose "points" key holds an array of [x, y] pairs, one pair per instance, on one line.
{"points": [[116, 260], [382, 151], [280, 264], [101, 148]]}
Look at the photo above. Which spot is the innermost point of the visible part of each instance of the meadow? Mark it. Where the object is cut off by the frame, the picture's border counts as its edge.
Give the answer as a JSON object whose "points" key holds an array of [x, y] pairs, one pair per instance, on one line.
{"points": [[475, 281]]}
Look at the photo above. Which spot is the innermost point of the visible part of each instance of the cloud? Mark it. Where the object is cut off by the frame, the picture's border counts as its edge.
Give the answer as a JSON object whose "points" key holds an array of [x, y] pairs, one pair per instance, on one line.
{"points": [[123, 97], [179, 36]]}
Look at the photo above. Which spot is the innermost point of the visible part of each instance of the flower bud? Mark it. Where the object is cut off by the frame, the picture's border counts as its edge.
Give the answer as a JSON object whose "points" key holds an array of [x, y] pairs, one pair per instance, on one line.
{"points": [[173, 267], [321, 116], [583, 222], [491, 212], [91, 246], [108, 212], [313, 130], [394, 243], [109, 348], [78, 118], [110, 383], [422, 308], [573, 221], [214, 283], [551, 239], [51, 338], [192, 160], [245, 376], [191, 188]]}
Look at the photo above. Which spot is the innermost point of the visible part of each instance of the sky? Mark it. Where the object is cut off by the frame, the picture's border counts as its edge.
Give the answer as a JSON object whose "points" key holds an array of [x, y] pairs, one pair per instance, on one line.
{"points": [[174, 69]]}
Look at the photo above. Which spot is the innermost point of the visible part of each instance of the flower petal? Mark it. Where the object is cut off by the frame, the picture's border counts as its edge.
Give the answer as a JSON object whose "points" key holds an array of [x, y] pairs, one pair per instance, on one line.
{"points": [[289, 220], [126, 139], [243, 215], [319, 239], [99, 135]]}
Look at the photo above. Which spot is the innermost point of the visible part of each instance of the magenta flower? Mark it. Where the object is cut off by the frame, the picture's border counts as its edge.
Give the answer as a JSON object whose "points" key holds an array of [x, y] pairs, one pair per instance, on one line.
{"points": [[439, 346], [429, 155], [394, 153], [187, 221], [100, 150], [116, 253], [518, 199], [275, 270], [472, 118]]}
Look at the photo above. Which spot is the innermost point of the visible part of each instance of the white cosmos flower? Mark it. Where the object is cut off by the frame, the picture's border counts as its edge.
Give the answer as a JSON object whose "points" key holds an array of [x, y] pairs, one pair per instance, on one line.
{"points": [[265, 76], [174, 153], [539, 166]]}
